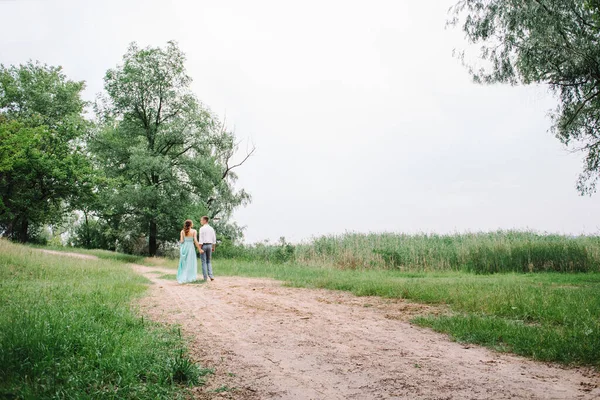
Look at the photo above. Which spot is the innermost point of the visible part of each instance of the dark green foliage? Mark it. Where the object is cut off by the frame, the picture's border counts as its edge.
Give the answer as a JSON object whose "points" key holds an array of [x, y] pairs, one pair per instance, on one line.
{"points": [[555, 42], [93, 233], [228, 249], [164, 155], [281, 252], [43, 167]]}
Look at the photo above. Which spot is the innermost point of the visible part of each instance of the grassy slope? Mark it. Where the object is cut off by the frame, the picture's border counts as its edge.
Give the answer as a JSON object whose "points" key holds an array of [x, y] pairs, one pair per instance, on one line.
{"points": [[67, 331]]}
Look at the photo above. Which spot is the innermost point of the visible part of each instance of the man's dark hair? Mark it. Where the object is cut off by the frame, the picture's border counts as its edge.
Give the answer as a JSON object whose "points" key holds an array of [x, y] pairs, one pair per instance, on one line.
{"points": [[204, 218]]}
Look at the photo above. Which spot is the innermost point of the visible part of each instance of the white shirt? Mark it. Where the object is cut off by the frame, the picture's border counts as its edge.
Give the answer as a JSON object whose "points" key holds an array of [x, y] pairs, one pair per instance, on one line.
{"points": [[207, 235]]}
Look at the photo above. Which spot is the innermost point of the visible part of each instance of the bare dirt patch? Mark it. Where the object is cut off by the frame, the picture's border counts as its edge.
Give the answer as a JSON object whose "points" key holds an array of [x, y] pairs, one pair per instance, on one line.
{"points": [[267, 341]]}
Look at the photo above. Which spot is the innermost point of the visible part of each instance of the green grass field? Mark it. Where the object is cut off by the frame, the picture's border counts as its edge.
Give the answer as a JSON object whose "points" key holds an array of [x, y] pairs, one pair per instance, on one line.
{"points": [[68, 330], [550, 316]]}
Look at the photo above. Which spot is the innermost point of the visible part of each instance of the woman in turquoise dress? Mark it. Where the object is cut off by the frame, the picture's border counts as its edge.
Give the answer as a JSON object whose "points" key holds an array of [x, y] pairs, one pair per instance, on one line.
{"points": [[188, 264]]}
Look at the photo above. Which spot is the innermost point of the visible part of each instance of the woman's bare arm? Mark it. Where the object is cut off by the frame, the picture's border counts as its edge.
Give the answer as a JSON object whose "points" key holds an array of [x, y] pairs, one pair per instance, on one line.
{"points": [[195, 234], [181, 237]]}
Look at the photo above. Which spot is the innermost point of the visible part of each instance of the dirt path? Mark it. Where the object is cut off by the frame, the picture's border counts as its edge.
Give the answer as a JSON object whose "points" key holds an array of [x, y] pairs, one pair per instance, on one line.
{"points": [[274, 342], [266, 341], [67, 254]]}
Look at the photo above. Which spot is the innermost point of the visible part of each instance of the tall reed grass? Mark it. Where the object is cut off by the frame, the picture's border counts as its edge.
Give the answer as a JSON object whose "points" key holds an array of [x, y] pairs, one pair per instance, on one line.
{"points": [[502, 251]]}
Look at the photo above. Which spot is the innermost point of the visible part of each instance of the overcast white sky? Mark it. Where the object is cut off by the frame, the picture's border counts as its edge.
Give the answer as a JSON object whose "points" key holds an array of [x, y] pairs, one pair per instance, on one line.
{"points": [[362, 118]]}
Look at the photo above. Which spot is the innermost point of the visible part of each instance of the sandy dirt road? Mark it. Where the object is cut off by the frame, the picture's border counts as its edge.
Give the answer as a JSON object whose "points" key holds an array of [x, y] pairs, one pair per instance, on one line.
{"points": [[273, 342]]}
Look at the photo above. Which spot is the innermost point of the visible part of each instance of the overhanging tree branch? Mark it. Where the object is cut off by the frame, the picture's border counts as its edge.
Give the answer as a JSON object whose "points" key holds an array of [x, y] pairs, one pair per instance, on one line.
{"points": [[228, 168]]}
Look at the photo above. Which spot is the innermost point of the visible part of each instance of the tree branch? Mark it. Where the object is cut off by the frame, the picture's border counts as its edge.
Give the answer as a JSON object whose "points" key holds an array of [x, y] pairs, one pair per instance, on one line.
{"points": [[580, 108], [229, 169], [160, 100], [182, 152]]}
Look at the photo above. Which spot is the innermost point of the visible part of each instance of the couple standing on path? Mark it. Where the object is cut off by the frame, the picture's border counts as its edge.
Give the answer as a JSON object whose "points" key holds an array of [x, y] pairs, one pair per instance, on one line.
{"points": [[188, 265]]}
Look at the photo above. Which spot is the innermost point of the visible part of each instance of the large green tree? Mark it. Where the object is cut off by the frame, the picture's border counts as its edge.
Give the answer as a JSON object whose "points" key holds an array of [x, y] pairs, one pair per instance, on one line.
{"points": [[166, 156], [553, 42], [42, 162]]}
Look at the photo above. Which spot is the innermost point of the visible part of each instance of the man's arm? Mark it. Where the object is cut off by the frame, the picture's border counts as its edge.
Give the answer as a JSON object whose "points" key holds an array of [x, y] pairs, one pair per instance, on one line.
{"points": [[198, 246]]}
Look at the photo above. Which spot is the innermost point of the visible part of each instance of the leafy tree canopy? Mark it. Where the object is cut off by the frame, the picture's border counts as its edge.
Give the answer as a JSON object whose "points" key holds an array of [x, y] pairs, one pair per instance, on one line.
{"points": [[42, 161], [165, 156], [554, 42]]}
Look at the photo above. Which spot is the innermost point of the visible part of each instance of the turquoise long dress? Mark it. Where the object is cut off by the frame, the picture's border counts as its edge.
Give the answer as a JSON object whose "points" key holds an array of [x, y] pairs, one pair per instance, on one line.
{"points": [[188, 264]]}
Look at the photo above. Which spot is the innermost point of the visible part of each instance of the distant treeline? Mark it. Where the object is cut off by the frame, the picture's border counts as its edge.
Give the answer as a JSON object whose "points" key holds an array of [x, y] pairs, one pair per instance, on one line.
{"points": [[122, 173]]}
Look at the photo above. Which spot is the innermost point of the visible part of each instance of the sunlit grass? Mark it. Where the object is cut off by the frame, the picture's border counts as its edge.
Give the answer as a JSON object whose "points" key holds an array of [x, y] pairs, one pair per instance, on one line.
{"points": [[67, 330]]}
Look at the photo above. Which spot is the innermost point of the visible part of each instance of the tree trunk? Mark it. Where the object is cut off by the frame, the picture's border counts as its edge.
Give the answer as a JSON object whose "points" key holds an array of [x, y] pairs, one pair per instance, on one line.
{"points": [[153, 228], [10, 229], [87, 232], [23, 235], [152, 244]]}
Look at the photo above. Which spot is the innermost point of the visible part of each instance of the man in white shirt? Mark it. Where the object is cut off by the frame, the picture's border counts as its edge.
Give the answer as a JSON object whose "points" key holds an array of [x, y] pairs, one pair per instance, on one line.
{"points": [[207, 239]]}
